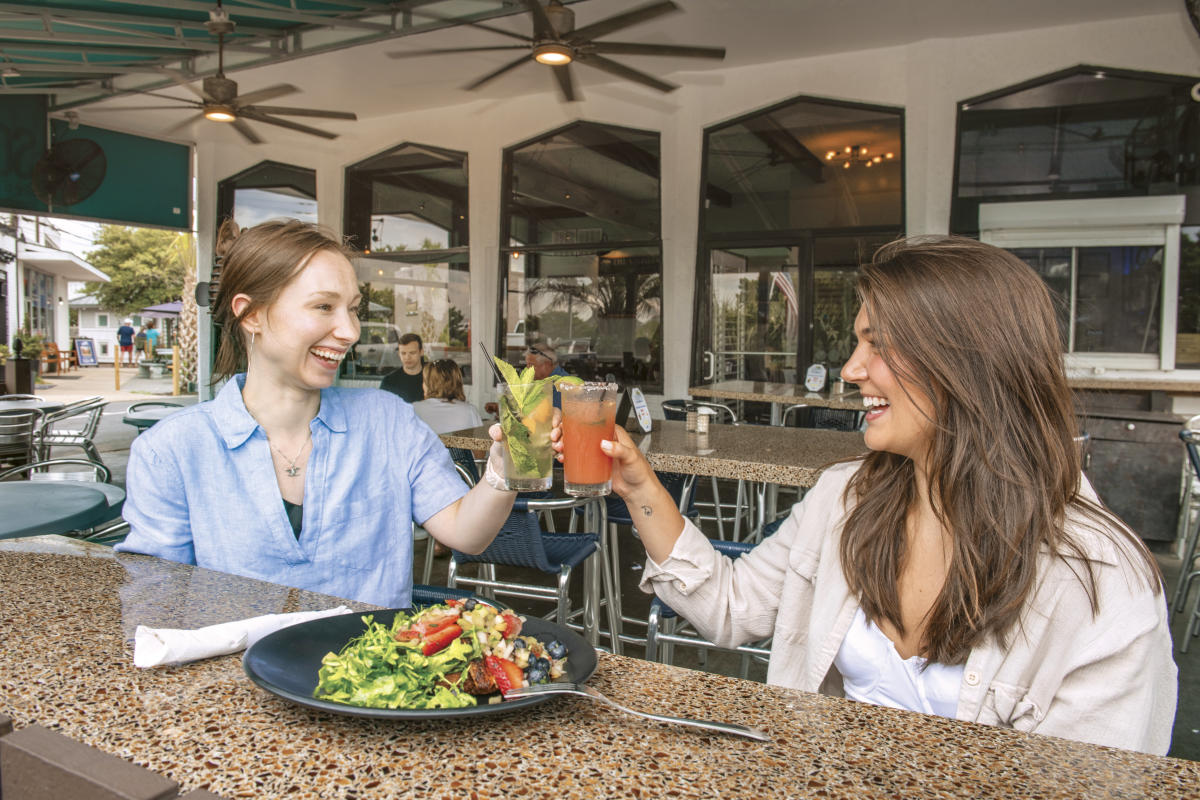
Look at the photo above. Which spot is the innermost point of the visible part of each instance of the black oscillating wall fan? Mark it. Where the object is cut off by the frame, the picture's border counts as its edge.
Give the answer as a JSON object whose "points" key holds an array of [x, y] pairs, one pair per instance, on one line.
{"points": [[69, 172]]}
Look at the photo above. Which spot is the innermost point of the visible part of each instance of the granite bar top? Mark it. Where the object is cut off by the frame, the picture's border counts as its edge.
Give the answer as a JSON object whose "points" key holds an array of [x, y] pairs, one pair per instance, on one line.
{"points": [[1134, 383], [785, 456], [69, 610], [789, 393]]}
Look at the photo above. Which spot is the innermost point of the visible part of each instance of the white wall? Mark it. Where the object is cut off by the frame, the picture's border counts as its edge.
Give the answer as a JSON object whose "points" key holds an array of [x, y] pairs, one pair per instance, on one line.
{"points": [[927, 78]]}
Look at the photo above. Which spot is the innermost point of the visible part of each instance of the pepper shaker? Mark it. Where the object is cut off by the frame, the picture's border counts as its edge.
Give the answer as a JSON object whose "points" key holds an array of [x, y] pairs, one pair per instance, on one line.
{"points": [[691, 421]]}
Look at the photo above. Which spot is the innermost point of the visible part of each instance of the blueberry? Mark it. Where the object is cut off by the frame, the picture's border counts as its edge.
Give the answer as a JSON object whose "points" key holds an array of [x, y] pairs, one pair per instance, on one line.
{"points": [[541, 664], [519, 644], [469, 604], [536, 674], [556, 649]]}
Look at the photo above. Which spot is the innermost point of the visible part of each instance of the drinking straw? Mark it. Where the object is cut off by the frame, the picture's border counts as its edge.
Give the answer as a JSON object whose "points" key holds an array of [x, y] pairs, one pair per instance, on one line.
{"points": [[492, 363]]}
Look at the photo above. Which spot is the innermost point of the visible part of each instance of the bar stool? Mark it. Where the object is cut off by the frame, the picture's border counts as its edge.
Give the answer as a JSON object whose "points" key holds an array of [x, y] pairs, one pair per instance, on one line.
{"points": [[1190, 436], [743, 504]]}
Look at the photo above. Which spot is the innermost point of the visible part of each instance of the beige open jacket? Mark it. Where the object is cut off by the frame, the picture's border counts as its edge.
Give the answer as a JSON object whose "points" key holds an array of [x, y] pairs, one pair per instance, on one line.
{"points": [[1107, 678]]}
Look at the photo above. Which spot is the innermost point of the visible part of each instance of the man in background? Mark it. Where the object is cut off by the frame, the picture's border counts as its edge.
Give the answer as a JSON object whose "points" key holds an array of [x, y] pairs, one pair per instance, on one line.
{"points": [[543, 357], [406, 381], [125, 335]]}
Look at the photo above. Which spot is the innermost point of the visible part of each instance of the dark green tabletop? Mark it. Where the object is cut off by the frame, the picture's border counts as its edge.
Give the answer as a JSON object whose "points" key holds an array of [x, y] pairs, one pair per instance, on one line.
{"points": [[143, 418], [30, 508]]}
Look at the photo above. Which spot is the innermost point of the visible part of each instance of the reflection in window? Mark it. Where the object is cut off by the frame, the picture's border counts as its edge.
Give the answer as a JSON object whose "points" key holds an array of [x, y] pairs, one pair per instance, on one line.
{"points": [[795, 197], [1085, 132], [1187, 341], [1107, 296], [406, 210], [807, 164], [268, 190], [584, 265]]}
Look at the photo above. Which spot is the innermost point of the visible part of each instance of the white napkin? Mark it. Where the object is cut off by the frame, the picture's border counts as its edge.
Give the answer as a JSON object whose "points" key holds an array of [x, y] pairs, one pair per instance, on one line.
{"points": [[154, 647]]}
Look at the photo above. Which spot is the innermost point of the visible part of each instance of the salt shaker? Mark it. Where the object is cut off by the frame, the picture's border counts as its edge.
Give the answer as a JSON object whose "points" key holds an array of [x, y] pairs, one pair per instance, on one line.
{"points": [[691, 421], [703, 419]]}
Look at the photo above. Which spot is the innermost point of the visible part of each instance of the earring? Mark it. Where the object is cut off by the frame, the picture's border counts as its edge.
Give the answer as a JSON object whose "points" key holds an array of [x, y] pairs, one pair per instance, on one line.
{"points": [[250, 351]]}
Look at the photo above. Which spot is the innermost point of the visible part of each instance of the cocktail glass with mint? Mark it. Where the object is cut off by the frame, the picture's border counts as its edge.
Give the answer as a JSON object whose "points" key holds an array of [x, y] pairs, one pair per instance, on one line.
{"points": [[526, 418]]}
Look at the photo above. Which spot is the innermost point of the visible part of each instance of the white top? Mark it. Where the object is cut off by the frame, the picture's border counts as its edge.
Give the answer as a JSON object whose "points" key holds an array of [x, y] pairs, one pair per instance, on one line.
{"points": [[873, 672], [447, 415]]}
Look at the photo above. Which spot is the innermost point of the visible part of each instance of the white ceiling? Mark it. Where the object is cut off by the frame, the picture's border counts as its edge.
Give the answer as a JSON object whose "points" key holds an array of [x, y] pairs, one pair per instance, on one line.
{"points": [[364, 80]]}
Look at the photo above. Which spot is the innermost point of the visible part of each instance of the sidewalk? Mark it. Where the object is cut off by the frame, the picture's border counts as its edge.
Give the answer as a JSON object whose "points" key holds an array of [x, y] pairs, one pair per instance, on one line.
{"points": [[84, 382]]}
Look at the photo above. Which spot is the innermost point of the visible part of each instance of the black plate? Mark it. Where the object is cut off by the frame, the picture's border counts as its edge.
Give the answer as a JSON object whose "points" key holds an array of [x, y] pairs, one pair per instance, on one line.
{"points": [[285, 663]]}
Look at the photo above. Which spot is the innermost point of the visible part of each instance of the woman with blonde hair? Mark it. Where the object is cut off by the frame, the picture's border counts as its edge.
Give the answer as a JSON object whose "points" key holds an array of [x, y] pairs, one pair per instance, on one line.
{"points": [[284, 477], [445, 407], [963, 567]]}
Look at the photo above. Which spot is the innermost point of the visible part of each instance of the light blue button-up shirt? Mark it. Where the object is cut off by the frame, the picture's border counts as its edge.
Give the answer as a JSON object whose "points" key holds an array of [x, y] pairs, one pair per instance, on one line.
{"points": [[201, 489]]}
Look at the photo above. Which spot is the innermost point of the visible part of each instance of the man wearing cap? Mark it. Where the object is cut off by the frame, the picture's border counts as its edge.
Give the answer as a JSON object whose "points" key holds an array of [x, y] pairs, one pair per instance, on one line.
{"points": [[125, 335], [542, 356]]}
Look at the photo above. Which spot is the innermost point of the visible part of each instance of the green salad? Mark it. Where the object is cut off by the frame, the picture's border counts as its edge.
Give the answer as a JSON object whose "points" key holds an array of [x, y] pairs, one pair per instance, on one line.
{"points": [[444, 656]]}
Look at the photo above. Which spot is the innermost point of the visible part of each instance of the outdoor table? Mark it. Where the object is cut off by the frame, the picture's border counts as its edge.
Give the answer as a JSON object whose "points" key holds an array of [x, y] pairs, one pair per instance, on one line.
{"points": [[779, 395], [45, 406], [30, 508], [71, 608], [144, 418]]}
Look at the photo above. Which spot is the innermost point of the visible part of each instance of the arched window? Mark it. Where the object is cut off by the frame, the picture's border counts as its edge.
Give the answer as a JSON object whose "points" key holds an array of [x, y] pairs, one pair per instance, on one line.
{"points": [[583, 267], [406, 211], [793, 199]]}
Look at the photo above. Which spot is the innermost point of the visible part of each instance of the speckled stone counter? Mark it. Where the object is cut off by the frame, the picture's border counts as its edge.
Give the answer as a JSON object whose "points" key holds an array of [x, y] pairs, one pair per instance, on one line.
{"points": [[783, 393], [69, 610], [1134, 384], [786, 456]]}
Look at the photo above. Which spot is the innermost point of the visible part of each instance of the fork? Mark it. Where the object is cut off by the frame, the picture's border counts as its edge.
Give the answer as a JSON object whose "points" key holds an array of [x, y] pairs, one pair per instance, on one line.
{"points": [[583, 690]]}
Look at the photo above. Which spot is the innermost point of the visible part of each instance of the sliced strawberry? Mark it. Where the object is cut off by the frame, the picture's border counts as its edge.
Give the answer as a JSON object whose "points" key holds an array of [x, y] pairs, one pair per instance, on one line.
{"points": [[508, 676], [407, 636], [440, 640], [512, 625]]}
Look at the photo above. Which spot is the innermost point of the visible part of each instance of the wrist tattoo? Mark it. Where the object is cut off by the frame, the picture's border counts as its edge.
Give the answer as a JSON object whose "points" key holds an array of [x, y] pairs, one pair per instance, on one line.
{"points": [[647, 511]]}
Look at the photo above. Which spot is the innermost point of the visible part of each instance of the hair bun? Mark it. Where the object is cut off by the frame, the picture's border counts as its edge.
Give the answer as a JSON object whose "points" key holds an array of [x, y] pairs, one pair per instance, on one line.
{"points": [[226, 234]]}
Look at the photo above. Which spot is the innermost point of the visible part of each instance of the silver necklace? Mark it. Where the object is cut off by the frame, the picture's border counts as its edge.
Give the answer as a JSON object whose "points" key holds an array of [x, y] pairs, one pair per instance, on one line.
{"points": [[292, 469]]}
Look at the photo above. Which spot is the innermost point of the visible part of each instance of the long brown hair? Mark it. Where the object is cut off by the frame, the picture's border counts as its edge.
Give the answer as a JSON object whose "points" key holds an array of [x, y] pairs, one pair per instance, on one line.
{"points": [[972, 327], [443, 380], [259, 262]]}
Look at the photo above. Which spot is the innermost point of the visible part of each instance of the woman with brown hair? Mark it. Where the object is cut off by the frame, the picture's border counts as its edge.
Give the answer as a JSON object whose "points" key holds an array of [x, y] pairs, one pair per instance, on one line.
{"points": [[445, 407], [963, 567], [284, 477]]}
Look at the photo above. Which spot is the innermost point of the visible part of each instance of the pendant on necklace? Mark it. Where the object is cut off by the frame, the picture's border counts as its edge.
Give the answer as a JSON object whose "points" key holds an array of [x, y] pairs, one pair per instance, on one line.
{"points": [[292, 471]]}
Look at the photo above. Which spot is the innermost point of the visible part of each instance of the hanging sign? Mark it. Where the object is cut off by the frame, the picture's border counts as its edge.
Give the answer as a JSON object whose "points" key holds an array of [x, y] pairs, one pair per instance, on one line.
{"points": [[814, 379]]}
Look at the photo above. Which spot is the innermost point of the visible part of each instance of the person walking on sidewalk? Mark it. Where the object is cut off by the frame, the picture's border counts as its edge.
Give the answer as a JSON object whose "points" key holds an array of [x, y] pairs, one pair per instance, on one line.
{"points": [[125, 340]]}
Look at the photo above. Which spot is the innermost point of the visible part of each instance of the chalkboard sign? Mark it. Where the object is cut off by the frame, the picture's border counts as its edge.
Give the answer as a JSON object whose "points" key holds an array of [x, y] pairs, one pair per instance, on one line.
{"points": [[85, 352]]}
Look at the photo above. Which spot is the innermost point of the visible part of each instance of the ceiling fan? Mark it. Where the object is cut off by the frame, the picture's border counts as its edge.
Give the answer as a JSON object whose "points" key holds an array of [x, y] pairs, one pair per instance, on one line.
{"points": [[556, 42], [219, 100]]}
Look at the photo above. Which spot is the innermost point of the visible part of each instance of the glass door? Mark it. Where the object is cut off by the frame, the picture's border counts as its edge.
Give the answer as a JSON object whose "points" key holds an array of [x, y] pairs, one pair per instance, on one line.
{"points": [[774, 310]]}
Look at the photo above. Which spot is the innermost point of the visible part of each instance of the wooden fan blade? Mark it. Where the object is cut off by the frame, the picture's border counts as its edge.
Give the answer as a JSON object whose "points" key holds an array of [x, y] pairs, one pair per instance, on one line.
{"points": [[634, 49], [542, 27], [141, 108], [269, 93], [619, 21], [441, 50], [283, 123], [187, 83], [246, 131], [184, 123], [565, 83], [497, 73], [470, 24], [622, 71], [298, 112]]}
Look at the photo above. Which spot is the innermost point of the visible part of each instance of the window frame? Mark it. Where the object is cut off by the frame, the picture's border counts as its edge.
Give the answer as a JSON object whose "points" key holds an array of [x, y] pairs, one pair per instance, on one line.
{"points": [[1100, 222]]}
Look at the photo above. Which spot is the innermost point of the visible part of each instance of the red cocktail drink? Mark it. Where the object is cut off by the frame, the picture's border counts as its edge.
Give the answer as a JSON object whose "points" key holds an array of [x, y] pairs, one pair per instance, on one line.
{"points": [[589, 417]]}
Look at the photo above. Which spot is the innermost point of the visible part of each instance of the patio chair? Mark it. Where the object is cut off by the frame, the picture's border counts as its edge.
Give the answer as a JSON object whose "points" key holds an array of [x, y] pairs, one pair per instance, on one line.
{"points": [[13, 397], [1190, 435], [422, 535], [93, 472], [663, 630], [19, 435], [52, 357], [85, 415], [522, 542]]}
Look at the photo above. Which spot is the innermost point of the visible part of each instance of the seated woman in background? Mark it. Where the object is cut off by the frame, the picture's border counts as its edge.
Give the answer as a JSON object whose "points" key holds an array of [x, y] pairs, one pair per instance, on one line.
{"points": [[282, 476], [963, 567], [445, 407]]}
